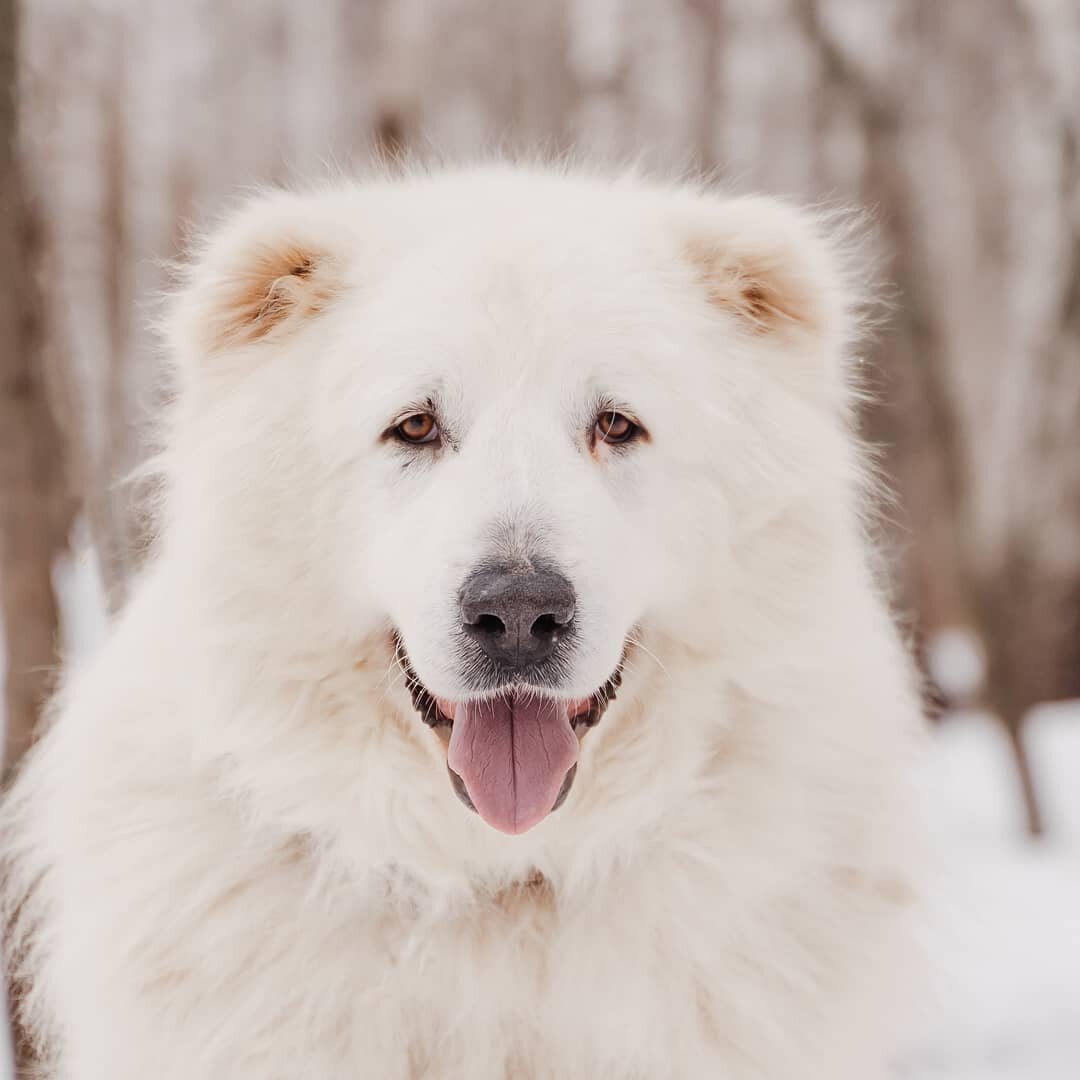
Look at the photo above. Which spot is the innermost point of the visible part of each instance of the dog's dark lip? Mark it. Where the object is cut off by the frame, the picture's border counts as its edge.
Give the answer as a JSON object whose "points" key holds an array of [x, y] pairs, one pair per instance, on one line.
{"points": [[428, 707]]}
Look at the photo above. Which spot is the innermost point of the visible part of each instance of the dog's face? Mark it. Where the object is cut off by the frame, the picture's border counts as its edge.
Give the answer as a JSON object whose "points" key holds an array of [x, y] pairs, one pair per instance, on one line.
{"points": [[517, 462], [511, 472], [541, 428]]}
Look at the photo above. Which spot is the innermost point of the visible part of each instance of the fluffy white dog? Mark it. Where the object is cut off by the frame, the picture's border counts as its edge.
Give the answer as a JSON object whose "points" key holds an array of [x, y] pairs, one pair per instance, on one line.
{"points": [[509, 695]]}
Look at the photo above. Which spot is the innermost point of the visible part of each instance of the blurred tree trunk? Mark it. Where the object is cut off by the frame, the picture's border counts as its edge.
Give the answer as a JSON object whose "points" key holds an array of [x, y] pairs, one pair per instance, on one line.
{"points": [[35, 508], [995, 549], [35, 511], [1029, 616], [913, 420]]}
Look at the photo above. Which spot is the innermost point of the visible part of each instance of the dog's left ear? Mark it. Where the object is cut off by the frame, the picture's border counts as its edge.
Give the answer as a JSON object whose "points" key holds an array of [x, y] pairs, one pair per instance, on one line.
{"points": [[778, 272]]}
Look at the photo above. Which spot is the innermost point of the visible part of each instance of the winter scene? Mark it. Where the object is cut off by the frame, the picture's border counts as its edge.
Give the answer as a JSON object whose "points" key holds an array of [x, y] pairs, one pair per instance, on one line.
{"points": [[540, 540]]}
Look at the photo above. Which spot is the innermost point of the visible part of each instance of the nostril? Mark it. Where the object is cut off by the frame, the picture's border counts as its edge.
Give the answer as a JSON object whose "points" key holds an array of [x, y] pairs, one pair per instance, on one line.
{"points": [[489, 624], [544, 626], [547, 626]]}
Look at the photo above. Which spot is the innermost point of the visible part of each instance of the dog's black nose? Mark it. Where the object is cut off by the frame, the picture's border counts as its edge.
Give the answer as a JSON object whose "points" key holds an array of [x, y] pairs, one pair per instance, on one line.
{"points": [[517, 617]]}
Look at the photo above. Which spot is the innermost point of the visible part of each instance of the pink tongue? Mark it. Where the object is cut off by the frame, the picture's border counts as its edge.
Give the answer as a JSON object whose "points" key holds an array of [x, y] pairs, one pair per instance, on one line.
{"points": [[513, 755]]}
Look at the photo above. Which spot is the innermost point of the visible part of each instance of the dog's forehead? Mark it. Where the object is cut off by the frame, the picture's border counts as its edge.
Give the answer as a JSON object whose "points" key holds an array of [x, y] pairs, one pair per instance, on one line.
{"points": [[513, 325]]}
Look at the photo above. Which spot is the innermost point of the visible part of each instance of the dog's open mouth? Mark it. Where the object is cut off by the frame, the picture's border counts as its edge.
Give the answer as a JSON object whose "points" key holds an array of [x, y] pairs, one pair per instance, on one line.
{"points": [[512, 757]]}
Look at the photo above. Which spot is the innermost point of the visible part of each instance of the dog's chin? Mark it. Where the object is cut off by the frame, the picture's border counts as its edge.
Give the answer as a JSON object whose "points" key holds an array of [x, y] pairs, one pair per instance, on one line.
{"points": [[512, 753]]}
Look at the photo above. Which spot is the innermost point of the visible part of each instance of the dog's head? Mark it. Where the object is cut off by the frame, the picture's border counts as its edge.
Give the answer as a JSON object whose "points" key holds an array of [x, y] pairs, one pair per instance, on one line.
{"points": [[518, 425]]}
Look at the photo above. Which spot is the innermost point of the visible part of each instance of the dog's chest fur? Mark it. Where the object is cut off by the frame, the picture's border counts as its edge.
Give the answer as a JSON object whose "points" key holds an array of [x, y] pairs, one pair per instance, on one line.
{"points": [[276, 973], [711, 947], [511, 983]]}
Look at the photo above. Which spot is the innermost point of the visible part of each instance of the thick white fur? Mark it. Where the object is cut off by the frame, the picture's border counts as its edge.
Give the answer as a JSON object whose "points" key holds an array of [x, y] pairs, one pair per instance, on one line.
{"points": [[236, 853]]}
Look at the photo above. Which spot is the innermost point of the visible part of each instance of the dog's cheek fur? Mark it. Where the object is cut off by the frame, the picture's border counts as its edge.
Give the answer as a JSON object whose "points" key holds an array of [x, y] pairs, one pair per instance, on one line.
{"points": [[253, 495]]}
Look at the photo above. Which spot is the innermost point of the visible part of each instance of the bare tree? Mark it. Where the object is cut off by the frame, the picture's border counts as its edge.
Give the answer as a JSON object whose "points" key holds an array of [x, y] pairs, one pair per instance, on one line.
{"points": [[35, 510], [980, 425]]}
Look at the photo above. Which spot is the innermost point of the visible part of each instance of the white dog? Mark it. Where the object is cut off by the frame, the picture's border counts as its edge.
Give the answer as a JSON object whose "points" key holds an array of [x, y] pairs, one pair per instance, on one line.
{"points": [[509, 696]]}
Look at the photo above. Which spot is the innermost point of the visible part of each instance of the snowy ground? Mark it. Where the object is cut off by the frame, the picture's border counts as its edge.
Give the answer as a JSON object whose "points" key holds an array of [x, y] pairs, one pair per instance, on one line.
{"points": [[1006, 1005], [1007, 944]]}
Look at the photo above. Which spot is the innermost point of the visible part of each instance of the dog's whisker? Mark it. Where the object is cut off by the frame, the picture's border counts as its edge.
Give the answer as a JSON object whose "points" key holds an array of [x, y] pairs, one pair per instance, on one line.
{"points": [[639, 644]]}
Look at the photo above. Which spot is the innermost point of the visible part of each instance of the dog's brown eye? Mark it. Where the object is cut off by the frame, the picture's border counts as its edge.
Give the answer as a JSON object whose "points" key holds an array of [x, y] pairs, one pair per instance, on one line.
{"points": [[418, 428], [613, 427]]}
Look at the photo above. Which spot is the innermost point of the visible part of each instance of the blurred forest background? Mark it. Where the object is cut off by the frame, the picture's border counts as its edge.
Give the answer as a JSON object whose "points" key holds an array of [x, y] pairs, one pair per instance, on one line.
{"points": [[956, 124]]}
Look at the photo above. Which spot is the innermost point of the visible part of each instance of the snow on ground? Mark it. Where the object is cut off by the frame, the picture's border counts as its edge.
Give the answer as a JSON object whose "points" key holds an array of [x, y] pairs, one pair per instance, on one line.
{"points": [[1006, 941]]}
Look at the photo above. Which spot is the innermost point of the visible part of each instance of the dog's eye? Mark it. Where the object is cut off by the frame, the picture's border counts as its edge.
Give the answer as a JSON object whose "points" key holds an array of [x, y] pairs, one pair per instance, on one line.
{"points": [[613, 427], [418, 428]]}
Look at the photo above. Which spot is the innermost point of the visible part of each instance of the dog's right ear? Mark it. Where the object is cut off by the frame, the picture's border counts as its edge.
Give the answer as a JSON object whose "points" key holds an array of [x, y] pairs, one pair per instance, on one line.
{"points": [[268, 269]]}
